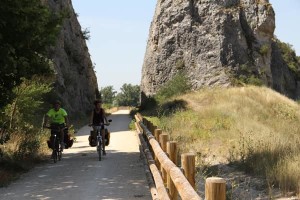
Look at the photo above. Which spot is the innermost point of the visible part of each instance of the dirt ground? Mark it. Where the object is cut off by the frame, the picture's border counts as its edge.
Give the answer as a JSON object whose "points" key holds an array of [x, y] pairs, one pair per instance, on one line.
{"points": [[80, 175]]}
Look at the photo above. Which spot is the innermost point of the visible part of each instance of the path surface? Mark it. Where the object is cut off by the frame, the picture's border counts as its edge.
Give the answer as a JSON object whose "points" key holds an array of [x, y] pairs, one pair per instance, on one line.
{"points": [[80, 176]]}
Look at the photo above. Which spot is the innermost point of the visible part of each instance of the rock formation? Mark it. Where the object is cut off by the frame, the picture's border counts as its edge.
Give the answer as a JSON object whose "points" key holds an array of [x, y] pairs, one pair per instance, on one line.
{"points": [[76, 82], [215, 42], [285, 81]]}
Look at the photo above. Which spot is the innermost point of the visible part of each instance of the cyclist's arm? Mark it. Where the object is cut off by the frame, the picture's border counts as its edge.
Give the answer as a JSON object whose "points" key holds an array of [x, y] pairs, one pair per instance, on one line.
{"points": [[105, 120], [104, 116], [67, 121], [64, 114]]}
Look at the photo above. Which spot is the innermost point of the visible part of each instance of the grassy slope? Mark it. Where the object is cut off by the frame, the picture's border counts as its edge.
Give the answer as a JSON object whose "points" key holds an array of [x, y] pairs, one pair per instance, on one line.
{"points": [[254, 127]]}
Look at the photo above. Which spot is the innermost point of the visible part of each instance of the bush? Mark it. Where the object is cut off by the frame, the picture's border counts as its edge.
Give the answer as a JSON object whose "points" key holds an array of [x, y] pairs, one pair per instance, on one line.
{"points": [[176, 86], [290, 57], [25, 116], [264, 49]]}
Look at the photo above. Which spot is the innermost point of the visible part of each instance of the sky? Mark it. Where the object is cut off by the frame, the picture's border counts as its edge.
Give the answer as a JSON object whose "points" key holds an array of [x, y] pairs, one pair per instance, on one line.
{"points": [[119, 32]]}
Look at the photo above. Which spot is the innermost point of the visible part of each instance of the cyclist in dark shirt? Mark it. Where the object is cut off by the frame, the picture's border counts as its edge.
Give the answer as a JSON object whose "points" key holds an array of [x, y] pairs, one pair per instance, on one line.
{"points": [[98, 116]]}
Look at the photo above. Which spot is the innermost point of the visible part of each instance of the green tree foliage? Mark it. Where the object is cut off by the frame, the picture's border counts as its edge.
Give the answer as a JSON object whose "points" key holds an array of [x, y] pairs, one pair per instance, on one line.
{"points": [[108, 94], [129, 95], [290, 57], [26, 105], [25, 115], [177, 85], [27, 28]]}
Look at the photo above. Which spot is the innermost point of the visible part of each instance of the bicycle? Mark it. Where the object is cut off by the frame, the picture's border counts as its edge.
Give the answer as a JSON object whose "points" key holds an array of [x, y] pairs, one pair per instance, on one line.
{"points": [[100, 141], [55, 143]]}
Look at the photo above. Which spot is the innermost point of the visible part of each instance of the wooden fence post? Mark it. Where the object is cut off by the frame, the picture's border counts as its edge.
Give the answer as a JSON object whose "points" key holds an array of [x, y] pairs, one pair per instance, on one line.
{"points": [[157, 133], [188, 166], [215, 188], [163, 139], [172, 153]]}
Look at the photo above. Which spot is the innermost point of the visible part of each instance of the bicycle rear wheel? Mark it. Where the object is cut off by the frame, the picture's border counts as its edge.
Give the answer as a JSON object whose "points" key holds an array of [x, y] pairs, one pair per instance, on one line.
{"points": [[54, 155], [59, 153], [54, 149]]}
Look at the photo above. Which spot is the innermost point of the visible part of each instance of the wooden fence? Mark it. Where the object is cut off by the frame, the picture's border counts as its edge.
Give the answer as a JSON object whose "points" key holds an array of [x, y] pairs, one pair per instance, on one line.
{"points": [[169, 181]]}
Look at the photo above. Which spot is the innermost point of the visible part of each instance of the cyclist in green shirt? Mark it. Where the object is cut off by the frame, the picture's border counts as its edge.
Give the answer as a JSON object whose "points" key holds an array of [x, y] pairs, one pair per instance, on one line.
{"points": [[58, 117]]}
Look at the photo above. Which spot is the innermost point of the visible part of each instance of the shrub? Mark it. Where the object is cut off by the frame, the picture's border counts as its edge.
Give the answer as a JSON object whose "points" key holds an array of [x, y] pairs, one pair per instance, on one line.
{"points": [[86, 34], [25, 114], [176, 86], [289, 57], [264, 49]]}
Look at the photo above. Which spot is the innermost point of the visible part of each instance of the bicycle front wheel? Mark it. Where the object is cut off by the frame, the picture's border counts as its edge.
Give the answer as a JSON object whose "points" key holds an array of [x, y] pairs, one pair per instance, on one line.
{"points": [[99, 149]]}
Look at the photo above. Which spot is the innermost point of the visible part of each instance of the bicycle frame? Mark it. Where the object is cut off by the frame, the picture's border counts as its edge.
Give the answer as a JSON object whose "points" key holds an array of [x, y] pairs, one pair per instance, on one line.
{"points": [[55, 143], [56, 148], [99, 146]]}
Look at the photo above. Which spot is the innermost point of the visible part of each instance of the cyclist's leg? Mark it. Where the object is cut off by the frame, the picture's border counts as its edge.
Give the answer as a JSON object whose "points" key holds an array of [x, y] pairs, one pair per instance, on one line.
{"points": [[103, 140], [53, 144], [94, 134], [62, 136]]}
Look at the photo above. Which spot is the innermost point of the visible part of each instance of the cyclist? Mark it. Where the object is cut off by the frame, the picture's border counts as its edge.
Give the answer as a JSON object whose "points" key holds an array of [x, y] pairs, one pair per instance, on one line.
{"points": [[98, 116], [58, 117]]}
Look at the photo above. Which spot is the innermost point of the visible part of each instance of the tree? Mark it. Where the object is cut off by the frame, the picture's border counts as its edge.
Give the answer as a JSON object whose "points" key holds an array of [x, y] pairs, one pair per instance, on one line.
{"points": [[27, 29], [129, 95], [108, 94]]}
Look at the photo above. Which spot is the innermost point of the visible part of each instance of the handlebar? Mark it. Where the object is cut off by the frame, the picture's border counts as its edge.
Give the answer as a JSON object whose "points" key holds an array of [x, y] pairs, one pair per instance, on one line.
{"points": [[102, 124], [55, 128]]}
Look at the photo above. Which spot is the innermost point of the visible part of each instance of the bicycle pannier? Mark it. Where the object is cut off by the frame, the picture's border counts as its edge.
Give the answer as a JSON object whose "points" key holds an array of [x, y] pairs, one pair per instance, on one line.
{"points": [[107, 137], [93, 139]]}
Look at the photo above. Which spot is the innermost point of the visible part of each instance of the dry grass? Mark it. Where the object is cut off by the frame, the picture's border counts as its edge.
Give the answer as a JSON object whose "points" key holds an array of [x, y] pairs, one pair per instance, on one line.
{"points": [[253, 127], [18, 160]]}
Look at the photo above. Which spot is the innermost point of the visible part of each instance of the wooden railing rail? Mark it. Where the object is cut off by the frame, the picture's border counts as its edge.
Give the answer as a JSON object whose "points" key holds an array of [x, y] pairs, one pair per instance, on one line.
{"points": [[161, 190], [184, 188], [146, 160], [161, 155]]}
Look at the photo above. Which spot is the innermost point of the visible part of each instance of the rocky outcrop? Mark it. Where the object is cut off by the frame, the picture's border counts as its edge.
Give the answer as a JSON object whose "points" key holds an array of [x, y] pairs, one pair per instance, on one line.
{"points": [[76, 82], [285, 80], [215, 42]]}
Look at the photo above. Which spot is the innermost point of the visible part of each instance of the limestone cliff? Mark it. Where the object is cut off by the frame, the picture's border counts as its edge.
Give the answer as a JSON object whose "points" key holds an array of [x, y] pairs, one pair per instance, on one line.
{"points": [[286, 79], [215, 42], [76, 82]]}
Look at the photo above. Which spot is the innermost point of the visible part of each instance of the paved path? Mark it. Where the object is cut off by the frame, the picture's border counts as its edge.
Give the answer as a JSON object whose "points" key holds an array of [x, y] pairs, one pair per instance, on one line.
{"points": [[80, 176]]}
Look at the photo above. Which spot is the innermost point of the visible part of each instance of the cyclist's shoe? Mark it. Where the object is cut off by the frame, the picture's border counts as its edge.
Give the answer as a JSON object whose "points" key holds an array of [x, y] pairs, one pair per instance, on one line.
{"points": [[104, 152]]}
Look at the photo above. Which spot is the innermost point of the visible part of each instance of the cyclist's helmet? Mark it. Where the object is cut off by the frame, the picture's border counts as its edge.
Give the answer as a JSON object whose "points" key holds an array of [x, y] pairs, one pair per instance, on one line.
{"points": [[97, 101], [57, 102]]}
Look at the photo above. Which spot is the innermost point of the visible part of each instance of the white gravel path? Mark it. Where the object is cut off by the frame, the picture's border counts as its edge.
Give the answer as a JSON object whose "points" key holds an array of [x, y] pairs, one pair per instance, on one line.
{"points": [[120, 175]]}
